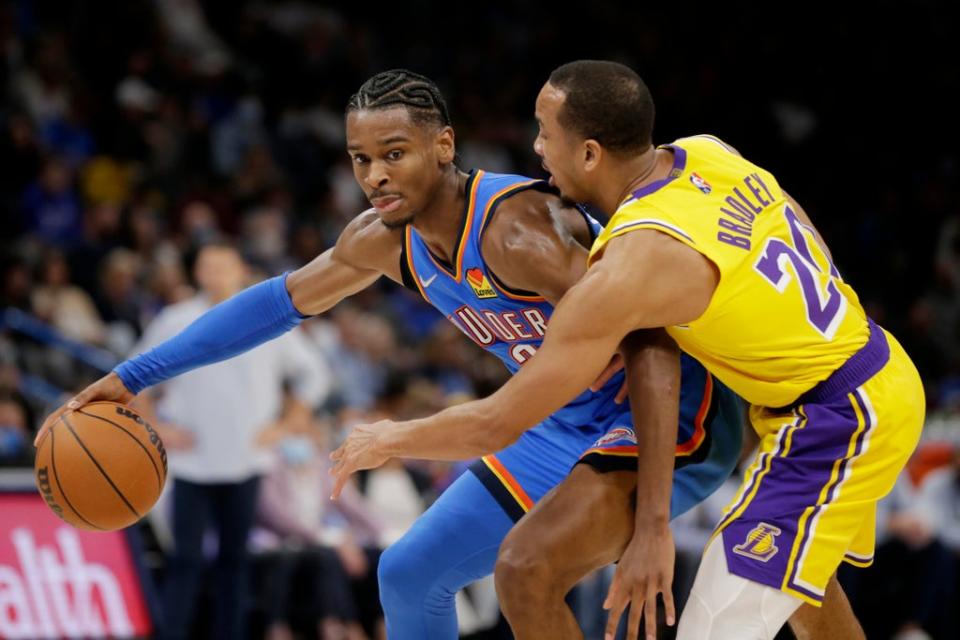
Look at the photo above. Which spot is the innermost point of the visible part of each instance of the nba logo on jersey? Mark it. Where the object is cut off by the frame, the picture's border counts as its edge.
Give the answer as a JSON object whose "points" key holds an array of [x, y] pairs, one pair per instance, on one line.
{"points": [[700, 183], [479, 283], [759, 544]]}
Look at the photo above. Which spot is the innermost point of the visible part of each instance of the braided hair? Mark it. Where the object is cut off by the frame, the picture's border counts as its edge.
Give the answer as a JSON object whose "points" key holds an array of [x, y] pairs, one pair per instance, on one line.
{"points": [[399, 87]]}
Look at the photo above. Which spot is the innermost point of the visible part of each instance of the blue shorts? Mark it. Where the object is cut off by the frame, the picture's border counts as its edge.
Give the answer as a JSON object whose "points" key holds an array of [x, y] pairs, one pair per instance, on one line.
{"points": [[709, 441]]}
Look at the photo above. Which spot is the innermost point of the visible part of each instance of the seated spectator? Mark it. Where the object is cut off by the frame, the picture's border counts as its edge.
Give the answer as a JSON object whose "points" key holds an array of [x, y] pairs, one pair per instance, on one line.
{"points": [[68, 308], [50, 206], [305, 535], [15, 431], [910, 589], [940, 500]]}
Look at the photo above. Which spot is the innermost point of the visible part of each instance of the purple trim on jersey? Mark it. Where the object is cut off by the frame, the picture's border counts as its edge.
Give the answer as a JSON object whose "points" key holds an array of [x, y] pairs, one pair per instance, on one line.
{"points": [[679, 163], [859, 368]]}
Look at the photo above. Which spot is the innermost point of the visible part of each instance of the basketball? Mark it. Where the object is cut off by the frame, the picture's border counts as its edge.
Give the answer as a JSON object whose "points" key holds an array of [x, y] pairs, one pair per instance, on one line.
{"points": [[101, 467]]}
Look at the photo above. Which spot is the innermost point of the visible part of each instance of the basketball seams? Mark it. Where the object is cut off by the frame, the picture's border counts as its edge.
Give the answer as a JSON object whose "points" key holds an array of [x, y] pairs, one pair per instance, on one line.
{"points": [[97, 464], [56, 476], [156, 470]]}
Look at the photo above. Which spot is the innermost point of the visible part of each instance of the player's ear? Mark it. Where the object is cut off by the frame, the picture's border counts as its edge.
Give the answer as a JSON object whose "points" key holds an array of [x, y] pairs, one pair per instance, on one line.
{"points": [[592, 152], [446, 145]]}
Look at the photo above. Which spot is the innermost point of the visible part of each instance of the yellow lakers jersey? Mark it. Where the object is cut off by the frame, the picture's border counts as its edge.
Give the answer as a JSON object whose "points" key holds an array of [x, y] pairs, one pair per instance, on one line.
{"points": [[781, 319]]}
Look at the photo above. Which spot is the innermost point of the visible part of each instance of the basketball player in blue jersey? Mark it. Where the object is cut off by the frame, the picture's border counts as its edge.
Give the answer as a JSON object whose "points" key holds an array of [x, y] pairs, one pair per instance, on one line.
{"points": [[493, 253]]}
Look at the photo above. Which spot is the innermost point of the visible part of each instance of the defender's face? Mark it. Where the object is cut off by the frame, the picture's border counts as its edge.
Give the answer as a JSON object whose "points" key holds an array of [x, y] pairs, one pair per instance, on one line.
{"points": [[396, 161], [558, 148]]}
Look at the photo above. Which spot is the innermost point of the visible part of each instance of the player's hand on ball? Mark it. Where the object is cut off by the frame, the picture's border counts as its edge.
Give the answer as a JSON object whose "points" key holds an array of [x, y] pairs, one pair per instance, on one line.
{"points": [[645, 569], [109, 387], [359, 451]]}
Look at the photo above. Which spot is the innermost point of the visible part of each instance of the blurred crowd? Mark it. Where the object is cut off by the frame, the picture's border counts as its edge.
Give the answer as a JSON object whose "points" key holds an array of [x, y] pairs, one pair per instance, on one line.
{"points": [[134, 134]]}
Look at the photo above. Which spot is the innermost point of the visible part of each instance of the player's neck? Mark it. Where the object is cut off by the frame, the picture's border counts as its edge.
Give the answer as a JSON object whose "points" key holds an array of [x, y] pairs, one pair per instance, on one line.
{"points": [[440, 222], [635, 173]]}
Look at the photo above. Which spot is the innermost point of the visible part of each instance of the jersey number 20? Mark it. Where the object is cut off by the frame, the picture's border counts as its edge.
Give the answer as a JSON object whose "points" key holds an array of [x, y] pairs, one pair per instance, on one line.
{"points": [[824, 303]]}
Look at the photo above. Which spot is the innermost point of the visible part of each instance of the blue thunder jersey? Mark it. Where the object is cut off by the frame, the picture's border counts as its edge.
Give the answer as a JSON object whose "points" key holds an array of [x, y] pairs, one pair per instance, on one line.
{"points": [[511, 324]]}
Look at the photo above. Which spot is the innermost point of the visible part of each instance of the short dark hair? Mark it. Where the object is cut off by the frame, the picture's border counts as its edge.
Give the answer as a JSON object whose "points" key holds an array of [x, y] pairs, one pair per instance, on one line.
{"points": [[400, 87], [607, 102]]}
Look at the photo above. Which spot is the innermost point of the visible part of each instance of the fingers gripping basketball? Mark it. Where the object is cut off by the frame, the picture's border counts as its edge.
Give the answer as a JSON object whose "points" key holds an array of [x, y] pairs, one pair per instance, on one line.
{"points": [[101, 466]]}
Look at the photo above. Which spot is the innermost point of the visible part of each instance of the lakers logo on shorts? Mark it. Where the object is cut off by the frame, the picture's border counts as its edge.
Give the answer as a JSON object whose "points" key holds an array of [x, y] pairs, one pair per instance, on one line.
{"points": [[759, 544]]}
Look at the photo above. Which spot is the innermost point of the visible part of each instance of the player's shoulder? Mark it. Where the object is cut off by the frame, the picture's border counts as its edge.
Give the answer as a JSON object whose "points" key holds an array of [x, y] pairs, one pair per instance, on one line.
{"points": [[705, 142], [367, 242], [531, 219]]}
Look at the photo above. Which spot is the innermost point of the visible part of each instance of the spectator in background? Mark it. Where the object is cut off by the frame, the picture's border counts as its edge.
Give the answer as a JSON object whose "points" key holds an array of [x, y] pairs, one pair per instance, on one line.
{"points": [[100, 236], [69, 136], [20, 157], [15, 431], [361, 344], [909, 591], [397, 493], [334, 545], [940, 504], [121, 301], [948, 252], [199, 224], [68, 308], [43, 85], [940, 501], [17, 286], [168, 281], [210, 420], [264, 233], [51, 209]]}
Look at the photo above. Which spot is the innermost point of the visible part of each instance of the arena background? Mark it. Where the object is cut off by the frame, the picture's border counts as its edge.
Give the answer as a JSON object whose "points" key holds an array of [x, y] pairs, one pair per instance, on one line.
{"points": [[131, 133]]}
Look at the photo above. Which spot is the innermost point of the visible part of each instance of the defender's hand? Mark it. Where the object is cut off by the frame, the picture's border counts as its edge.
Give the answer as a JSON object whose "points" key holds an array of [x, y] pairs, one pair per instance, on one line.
{"points": [[359, 451], [645, 569], [109, 387]]}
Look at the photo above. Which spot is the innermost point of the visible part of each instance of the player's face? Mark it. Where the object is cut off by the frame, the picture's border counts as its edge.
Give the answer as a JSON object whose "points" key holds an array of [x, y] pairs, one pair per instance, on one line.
{"points": [[397, 162], [558, 148]]}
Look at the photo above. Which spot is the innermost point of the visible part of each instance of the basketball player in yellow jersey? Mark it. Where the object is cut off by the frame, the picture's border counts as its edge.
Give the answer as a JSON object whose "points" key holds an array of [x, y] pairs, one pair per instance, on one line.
{"points": [[709, 246]]}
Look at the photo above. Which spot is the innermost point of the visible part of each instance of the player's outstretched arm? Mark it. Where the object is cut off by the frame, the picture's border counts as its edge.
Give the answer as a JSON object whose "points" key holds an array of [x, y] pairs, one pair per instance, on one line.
{"points": [[364, 252], [577, 347], [645, 280]]}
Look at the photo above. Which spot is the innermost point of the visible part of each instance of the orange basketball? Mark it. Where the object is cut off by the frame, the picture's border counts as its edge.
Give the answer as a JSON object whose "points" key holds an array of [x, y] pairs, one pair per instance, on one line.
{"points": [[101, 467]]}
